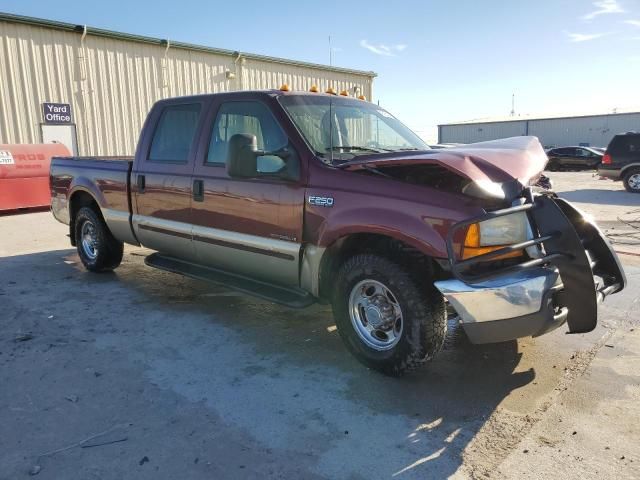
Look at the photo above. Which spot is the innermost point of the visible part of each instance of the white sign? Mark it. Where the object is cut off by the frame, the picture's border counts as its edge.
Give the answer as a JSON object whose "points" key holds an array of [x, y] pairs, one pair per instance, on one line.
{"points": [[6, 158]]}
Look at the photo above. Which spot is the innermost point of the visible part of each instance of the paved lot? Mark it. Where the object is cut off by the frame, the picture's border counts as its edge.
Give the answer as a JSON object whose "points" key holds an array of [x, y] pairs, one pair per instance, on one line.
{"points": [[145, 374]]}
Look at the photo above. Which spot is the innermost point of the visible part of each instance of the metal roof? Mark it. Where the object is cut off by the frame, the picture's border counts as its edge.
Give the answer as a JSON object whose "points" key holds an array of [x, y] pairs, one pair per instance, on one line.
{"points": [[526, 118], [70, 27]]}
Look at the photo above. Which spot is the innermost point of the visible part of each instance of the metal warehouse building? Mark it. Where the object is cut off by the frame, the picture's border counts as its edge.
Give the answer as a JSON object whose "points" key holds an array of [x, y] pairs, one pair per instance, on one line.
{"points": [[91, 89], [587, 130]]}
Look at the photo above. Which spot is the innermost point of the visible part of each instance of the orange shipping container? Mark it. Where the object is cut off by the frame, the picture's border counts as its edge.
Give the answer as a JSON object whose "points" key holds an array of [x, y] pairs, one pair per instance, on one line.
{"points": [[24, 174]]}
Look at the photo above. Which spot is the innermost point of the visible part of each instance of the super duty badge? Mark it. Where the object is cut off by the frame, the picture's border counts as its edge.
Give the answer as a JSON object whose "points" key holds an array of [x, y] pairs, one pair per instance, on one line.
{"points": [[320, 201]]}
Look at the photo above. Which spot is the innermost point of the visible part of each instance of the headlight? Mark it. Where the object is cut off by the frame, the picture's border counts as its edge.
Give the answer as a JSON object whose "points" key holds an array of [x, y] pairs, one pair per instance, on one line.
{"points": [[489, 235]]}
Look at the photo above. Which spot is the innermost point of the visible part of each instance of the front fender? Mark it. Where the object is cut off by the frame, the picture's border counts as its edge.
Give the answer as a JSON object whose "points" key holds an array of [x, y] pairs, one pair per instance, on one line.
{"points": [[426, 234]]}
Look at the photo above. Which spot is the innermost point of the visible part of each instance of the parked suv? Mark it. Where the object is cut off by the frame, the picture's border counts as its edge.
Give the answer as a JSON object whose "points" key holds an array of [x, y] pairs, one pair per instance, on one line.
{"points": [[621, 161], [573, 157]]}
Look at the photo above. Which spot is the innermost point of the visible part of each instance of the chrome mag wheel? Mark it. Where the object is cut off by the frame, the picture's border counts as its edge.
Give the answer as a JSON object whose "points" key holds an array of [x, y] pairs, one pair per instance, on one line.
{"points": [[375, 314], [89, 238]]}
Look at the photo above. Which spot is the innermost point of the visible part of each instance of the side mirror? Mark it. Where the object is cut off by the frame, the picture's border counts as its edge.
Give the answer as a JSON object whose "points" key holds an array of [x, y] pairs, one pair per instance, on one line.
{"points": [[242, 156]]}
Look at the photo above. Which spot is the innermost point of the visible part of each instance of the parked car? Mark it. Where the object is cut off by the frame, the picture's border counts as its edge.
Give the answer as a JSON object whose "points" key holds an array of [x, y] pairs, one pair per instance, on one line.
{"points": [[621, 161], [306, 197], [572, 157]]}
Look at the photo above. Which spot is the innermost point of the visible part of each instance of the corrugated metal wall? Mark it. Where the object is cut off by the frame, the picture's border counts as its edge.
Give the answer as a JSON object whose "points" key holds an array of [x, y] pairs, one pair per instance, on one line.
{"points": [[596, 131], [111, 83], [479, 132]]}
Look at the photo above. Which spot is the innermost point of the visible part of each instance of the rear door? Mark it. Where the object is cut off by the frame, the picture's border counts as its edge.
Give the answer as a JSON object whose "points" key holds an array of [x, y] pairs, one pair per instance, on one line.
{"points": [[162, 178], [248, 226], [586, 157]]}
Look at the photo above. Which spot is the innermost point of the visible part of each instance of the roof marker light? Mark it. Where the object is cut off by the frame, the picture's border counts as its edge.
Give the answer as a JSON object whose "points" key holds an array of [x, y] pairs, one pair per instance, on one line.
{"points": [[285, 88], [330, 91], [361, 97], [314, 89], [344, 93]]}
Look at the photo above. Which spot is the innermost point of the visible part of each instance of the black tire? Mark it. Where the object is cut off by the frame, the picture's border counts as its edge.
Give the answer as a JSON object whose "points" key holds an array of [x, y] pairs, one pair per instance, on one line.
{"points": [[108, 250], [629, 185], [424, 319]]}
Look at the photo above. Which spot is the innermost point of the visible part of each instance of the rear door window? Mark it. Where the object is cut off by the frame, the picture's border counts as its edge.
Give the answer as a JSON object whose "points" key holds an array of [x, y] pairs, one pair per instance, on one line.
{"points": [[174, 134]]}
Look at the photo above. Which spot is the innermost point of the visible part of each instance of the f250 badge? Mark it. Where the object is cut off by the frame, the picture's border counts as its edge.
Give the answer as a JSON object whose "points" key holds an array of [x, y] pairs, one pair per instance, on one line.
{"points": [[320, 201]]}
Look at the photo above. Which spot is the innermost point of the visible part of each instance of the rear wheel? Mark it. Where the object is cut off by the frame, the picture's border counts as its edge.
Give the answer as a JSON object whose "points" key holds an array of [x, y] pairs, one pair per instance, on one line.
{"points": [[553, 165], [386, 318], [98, 249], [631, 181]]}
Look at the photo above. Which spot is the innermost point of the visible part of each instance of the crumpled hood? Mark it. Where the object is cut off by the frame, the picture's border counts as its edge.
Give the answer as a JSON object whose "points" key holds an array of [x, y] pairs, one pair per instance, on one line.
{"points": [[496, 169]]}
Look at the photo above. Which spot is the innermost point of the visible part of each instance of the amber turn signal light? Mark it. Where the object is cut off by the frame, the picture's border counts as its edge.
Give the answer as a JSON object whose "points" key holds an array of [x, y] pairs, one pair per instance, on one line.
{"points": [[472, 248]]}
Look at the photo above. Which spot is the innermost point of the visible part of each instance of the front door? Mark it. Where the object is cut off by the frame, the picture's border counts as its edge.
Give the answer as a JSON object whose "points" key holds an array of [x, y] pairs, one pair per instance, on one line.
{"points": [[162, 180], [251, 226]]}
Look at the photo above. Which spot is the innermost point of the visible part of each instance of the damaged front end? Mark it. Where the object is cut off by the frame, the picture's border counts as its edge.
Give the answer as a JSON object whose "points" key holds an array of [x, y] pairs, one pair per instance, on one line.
{"points": [[494, 171], [545, 263], [565, 268]]}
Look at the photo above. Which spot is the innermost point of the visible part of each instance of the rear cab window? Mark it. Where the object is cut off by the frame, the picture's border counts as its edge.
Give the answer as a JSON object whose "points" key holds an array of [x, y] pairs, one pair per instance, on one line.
{"points": [[174, 134]]}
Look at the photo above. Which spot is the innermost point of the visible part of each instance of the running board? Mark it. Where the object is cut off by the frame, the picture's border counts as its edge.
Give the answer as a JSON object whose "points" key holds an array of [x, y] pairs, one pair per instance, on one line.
{"points": [[294, 298]]}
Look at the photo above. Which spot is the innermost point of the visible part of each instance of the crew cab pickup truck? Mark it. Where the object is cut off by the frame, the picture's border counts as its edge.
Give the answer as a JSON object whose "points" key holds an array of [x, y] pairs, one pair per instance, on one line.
{"points": [[302, 197]]}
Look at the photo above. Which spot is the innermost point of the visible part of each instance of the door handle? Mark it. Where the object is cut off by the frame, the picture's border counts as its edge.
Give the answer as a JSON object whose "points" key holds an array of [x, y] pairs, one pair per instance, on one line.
{"points": [[198, 191], [141, 183]]}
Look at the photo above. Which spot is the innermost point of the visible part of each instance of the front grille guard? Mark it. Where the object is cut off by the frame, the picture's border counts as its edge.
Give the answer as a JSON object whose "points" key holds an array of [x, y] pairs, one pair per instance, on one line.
{"points": [[583, 256], [460, 267]]}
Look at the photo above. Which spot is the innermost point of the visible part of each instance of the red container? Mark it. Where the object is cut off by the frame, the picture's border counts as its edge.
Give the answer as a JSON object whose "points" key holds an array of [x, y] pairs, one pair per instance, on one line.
{"points": [[24, 174]]}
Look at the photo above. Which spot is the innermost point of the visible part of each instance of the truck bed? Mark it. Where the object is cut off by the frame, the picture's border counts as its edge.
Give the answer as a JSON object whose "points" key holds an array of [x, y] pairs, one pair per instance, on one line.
{"points": [[107, 179]]}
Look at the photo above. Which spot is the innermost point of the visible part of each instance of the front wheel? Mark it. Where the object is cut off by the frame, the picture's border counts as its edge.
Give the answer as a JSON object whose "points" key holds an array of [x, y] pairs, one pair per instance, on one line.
{"points": [[387, 319], [98, 249], [631, 181]]}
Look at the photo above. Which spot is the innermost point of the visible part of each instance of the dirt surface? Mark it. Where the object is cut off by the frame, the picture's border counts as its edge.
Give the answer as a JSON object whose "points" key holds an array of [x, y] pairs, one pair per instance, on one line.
{"points": [[145, 374]]}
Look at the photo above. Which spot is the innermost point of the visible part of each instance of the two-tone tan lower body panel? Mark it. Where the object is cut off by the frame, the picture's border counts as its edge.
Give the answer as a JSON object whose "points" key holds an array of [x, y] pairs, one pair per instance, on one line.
{"points": [[267, 259], [262, 258]]}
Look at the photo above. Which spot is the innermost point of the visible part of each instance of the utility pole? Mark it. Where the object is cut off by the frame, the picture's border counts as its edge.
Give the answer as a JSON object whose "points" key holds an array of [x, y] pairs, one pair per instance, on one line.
{"points": [[513, 104], [330, 53]]}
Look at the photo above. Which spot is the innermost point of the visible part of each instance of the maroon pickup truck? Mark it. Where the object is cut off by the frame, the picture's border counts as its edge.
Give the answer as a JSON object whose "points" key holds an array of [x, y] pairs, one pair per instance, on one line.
{"points": [[303, 197]]}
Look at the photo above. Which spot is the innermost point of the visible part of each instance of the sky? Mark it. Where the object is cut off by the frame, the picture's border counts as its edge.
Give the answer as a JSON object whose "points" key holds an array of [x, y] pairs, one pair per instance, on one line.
{"points": [[437, 61]]}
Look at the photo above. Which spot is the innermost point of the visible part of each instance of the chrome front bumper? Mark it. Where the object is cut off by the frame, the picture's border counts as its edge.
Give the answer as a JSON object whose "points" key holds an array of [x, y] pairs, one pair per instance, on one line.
{"points": [[512, 306]]}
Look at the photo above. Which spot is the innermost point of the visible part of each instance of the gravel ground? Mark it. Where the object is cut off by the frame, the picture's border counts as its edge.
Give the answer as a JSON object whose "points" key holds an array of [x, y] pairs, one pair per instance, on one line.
{"points": [[144, 374]]}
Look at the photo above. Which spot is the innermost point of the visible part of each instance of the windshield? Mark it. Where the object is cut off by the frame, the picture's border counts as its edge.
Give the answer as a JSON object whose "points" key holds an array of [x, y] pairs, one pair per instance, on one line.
{"points": [[340, 128]]}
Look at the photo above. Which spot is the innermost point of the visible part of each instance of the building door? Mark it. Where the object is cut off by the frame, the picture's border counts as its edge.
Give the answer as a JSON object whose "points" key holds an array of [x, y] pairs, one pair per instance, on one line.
{"points": [[64, 134]]}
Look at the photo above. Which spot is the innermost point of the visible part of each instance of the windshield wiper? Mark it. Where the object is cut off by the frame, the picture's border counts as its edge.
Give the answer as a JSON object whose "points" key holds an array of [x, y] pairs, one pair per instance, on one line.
{"points": [[406, 149], [358, 148]]}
